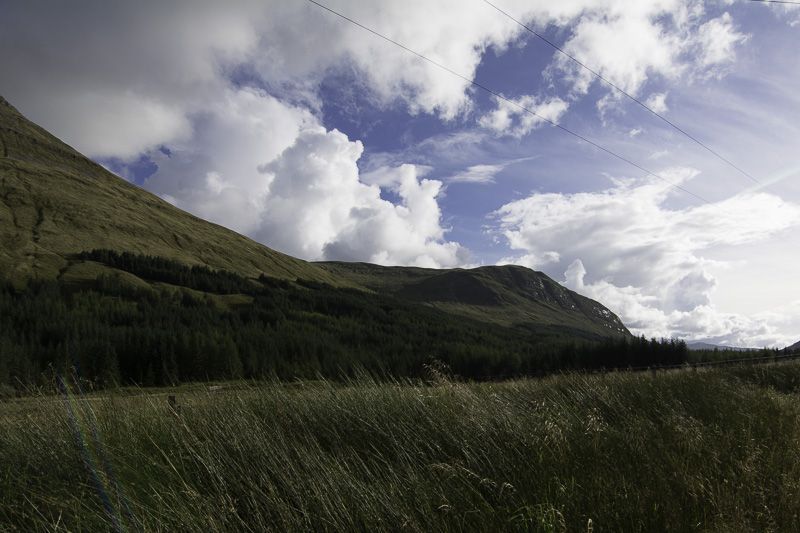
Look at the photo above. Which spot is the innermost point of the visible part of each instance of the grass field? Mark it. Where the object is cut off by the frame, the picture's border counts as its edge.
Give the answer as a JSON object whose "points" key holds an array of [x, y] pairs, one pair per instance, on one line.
{"points": [[707, 450]]}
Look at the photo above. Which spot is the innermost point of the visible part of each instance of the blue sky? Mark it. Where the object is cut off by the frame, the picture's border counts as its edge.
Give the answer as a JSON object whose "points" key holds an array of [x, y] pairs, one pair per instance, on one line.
{"points": [[287, 124]]}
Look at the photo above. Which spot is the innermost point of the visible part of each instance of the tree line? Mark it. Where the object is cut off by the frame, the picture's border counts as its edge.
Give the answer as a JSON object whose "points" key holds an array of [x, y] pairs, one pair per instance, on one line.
{"points": [[202, 324]]}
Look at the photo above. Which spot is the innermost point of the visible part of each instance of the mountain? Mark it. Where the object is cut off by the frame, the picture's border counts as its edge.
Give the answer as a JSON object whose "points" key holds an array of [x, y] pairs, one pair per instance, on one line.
{"points": [[709, 346], [54, 203], [100, 275], [506, 295], [794, 347]]}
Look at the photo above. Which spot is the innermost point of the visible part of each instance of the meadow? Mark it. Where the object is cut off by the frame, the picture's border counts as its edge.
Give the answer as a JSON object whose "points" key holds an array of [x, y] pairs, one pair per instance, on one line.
{"points": [[713, 449]]}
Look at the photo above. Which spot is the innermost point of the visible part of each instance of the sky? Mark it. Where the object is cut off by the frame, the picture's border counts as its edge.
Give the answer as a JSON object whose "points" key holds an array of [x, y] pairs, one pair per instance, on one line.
{"points": [[307, 133]]}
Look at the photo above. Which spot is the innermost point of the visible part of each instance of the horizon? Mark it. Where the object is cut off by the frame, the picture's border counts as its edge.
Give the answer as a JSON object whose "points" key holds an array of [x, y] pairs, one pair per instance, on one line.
{"points": [[320, 140]]}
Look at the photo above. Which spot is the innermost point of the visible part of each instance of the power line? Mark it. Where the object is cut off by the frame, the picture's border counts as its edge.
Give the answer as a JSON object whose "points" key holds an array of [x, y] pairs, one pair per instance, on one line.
{"points": [[777, 2], [515, 104], [622, 91]]}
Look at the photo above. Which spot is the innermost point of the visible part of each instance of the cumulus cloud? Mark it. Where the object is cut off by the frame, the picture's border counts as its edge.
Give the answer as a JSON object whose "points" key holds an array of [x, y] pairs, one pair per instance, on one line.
{"points": [[646, 262], [519, 116], [631, 42], [214, 173], [625, 45], [657, 102], [319, 208], [271, 171], [717, 40], [98, 73]]}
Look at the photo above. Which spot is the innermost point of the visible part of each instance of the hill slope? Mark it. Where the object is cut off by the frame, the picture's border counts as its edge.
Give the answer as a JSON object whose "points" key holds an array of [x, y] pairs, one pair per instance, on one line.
{"points": [[54, 202], [506, 295]]}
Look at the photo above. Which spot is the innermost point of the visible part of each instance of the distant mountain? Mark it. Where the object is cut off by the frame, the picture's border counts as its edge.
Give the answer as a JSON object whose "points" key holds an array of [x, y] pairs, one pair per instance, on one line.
{"points": [[708, 346], [506, 295], [794, 347]]}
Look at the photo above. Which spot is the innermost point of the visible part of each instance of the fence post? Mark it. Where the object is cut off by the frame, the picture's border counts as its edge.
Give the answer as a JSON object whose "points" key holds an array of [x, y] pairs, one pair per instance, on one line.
{"points": [[173, 404]]}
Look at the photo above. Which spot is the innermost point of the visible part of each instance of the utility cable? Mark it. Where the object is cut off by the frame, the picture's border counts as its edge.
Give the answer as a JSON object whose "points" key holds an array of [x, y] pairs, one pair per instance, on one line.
{"points": [[511, 102], [625, 93]]}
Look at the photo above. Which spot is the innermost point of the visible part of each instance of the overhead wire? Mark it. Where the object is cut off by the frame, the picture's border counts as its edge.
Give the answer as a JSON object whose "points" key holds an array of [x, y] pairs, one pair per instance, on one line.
{"points": [[777, 2], [624, 92], [511, 102]]}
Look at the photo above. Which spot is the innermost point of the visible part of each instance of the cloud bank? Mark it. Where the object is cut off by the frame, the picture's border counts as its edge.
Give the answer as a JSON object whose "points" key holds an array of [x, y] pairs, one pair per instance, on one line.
{"points": [[646, 262]]}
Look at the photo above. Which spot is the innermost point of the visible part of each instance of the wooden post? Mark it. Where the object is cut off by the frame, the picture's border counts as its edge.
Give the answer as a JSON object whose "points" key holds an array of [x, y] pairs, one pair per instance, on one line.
{"points": [[173, 403]]}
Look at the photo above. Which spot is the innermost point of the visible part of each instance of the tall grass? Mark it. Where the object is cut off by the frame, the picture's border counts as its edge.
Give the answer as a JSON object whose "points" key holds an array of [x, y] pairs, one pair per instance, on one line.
{"points": [[711, 450]]}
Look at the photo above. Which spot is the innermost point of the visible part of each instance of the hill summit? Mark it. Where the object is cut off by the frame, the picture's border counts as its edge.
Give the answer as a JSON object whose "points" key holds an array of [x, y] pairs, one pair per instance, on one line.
{"points": [[508, 295]]}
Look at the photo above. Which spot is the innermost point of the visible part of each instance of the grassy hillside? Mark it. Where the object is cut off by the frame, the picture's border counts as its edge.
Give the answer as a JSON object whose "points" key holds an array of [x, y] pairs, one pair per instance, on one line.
{"points": [[54, 202], [506, 295], [715, 450]]}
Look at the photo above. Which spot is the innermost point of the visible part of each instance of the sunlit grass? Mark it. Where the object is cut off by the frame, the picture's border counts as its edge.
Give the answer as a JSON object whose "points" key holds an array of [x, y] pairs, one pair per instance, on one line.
{"points": [[680, 451]]}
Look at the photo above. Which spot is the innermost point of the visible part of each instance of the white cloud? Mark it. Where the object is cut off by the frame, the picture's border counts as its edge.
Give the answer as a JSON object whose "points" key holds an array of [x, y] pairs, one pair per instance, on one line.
{"points": [[644, 261], [659, 154], [657, 102], [98, 73], [117, 78], [319, 208], [443, 31], [629, 43], [635, 132], [512, 116], [484, 173], [270, 171], [214, 174], [143, 122], [717, 40], [477, 174], [624, 43]]}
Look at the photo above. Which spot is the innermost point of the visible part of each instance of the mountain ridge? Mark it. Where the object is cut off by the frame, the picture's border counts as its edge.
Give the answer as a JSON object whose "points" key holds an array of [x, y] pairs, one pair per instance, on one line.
{"points": [[56, 204], [507, 295]]}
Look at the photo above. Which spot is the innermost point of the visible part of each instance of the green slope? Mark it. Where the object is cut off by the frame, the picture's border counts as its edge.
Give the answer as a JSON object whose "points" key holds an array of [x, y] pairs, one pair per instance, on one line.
{"points": [[54, 202], [506, 295]]}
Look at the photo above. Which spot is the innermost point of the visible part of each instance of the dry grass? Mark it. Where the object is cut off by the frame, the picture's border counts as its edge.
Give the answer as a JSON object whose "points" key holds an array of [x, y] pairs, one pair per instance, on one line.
{"points": [[686, 451]]}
